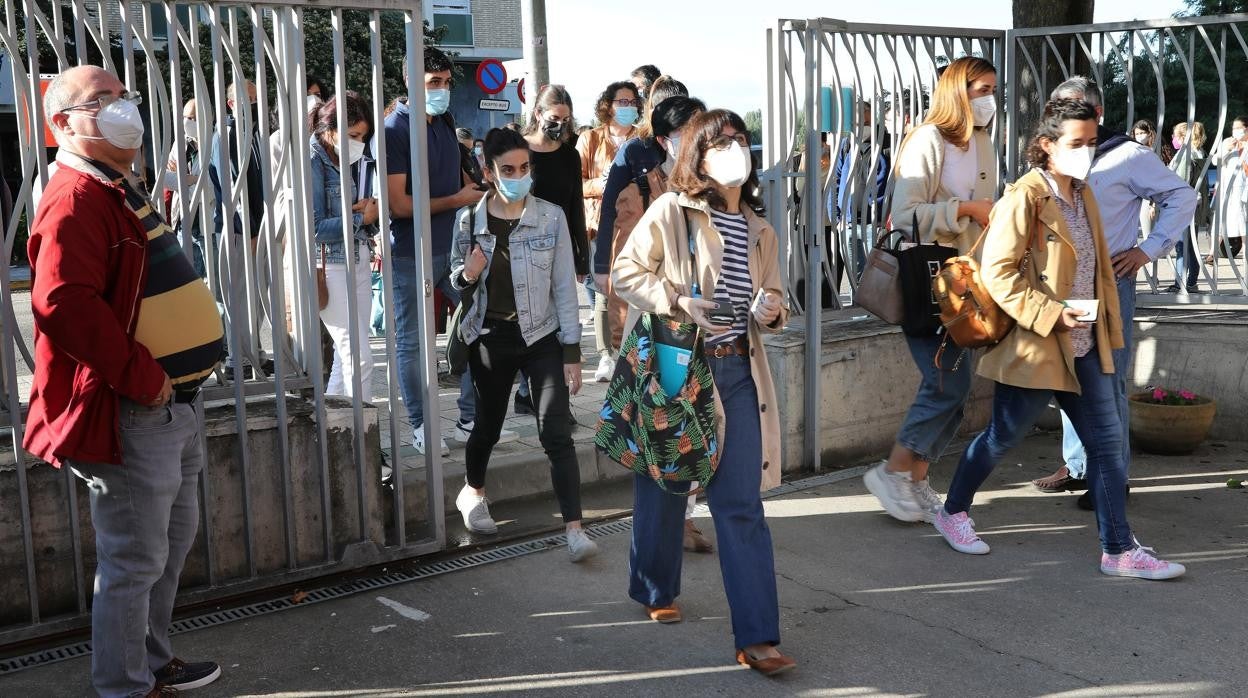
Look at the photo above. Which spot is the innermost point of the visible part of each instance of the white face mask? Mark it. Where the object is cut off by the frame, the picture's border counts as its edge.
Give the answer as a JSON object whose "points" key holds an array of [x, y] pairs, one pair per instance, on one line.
{"points": [[1142, 139], [1237, 134], [983, 109], [1073, 162], [190, 129], [120, 124], [355, 150], [729, 167]]}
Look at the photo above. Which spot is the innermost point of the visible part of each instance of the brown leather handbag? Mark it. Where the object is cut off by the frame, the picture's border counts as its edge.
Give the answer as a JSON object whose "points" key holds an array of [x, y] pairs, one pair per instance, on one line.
{"points": [[969, 314]]}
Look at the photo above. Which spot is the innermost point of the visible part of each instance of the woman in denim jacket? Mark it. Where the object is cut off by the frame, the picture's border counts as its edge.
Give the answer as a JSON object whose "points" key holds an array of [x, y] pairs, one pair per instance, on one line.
{"points": [[513, 253], [324, 170]]}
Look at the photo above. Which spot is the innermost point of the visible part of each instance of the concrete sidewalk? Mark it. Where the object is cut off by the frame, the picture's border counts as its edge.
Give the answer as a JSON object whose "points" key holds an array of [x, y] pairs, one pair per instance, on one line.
{"points": [[869, 607]]}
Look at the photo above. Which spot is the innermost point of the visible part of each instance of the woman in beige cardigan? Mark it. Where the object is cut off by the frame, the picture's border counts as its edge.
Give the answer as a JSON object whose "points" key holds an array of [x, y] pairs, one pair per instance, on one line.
{"points": [[945, 178], [710, 214], [1046, 263]]}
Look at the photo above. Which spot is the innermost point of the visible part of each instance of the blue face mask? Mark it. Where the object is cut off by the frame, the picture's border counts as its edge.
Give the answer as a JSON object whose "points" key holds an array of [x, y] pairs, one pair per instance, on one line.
{"points": [[626, 116], [514, 190], [437, 102]]}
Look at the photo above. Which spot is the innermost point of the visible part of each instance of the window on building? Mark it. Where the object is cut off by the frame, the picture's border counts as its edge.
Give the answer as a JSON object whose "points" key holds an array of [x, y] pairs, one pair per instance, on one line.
{"points": [[456, 16]]}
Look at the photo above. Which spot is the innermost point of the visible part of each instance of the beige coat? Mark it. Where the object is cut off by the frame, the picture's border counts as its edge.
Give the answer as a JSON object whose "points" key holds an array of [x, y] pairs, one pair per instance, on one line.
{"points": [[918, 188], [652, 271], [1033, 355]]}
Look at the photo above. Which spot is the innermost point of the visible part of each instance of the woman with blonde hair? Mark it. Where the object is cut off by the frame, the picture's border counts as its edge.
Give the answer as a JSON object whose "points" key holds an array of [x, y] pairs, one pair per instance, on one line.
{"points": [[946, 179], [1188, 163]]}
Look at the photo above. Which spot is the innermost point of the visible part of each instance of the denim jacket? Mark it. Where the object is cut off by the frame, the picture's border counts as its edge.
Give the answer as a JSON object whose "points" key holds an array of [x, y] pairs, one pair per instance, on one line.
{"points": [[542, 271], [326, 206]]}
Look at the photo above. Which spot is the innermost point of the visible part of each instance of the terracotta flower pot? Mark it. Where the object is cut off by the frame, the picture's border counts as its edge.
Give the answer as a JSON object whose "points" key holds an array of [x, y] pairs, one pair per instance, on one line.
{"points": [[1170, 429]]}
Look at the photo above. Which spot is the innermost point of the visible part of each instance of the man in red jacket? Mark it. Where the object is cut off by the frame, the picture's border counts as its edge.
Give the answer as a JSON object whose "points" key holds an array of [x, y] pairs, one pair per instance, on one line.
{"points": [[125, 331]]}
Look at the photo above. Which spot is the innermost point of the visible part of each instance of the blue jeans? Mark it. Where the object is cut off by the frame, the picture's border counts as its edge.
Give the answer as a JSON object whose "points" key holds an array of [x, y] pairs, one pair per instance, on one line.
{"points": [[408, 301], [377, 323], [145, 514], [1094, 414], [1185, 262], [936, 413], [1072, 448], [745, 555]]}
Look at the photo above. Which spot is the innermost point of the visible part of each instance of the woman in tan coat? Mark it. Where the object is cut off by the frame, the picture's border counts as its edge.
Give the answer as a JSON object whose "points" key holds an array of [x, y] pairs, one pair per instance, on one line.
{"points": [[617, 112], [711, 214], [1046, 263]]}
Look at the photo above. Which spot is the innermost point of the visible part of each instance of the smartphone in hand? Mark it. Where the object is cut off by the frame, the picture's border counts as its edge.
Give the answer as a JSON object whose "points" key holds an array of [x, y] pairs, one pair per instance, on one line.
{"points": [[722, 315]]}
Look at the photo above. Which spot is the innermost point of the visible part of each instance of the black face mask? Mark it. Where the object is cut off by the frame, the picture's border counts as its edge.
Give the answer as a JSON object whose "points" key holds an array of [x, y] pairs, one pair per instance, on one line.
{"points": [[553, 129]]}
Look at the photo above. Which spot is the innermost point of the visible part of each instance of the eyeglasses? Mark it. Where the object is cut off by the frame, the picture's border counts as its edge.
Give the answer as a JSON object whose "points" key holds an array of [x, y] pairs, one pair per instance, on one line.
{"points": [[627, 102], [555, 121], [104, 100], [724, 142]]}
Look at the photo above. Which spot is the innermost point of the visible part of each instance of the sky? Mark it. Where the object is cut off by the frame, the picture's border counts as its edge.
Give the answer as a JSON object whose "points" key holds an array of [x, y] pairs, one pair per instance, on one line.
{"points": [[718, 49]]}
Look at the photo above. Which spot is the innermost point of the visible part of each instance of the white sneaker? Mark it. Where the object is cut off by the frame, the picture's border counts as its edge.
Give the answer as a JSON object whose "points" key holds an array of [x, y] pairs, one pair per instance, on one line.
{"points": [[930, 504], [464, 429], [606, 367], [476, 511], [580, 547], [894, 492], [418, 440]]}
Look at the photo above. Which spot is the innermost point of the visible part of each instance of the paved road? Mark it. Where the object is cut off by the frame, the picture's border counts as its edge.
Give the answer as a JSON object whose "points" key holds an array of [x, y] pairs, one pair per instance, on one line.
{"points": [[869, 607]]}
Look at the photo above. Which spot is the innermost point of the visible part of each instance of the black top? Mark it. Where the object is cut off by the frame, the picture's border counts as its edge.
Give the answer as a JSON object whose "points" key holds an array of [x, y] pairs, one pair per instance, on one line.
{"points": [[557, 179], [500, 290]]}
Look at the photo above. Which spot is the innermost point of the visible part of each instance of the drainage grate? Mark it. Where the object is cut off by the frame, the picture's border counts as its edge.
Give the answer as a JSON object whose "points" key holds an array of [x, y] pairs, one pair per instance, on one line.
{"points": [[424, 571]]}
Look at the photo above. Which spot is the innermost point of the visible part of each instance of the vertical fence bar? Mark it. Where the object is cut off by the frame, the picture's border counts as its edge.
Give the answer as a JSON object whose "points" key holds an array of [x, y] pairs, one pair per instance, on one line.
{"points": [[424, 251], [387, 275], [814, 246]]}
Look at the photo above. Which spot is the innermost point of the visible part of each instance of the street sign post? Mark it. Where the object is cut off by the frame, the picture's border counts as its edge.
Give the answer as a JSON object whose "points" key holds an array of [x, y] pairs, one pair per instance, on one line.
{"points": [[491, 76]]}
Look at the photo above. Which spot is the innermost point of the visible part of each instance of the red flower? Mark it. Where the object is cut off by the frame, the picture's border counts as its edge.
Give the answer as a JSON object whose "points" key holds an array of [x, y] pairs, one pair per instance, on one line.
{"points": [[1159, 395], [1187, 395]]}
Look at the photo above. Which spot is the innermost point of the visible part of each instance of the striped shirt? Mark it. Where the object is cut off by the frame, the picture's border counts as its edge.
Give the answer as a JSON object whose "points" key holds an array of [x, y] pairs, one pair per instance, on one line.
{"points": [[734, 284], [178, 319]]}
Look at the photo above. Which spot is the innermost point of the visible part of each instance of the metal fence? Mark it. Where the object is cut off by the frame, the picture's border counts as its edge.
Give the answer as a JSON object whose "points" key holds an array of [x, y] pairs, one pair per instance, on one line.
{"points": [[850, 92], [1173, 71], [286, 497]]}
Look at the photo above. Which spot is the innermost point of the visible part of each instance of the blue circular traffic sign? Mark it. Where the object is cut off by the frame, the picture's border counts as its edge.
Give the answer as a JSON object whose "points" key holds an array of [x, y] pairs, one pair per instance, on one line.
{"points": [[491, 76]]}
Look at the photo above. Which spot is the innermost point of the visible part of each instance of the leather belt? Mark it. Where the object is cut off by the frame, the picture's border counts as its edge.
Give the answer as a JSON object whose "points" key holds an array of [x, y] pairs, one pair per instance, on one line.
{"points": [[739, 346]]}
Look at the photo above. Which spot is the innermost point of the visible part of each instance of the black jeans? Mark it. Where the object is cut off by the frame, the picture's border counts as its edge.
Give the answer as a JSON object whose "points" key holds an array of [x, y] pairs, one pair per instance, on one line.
{"points": [[494, 359]]}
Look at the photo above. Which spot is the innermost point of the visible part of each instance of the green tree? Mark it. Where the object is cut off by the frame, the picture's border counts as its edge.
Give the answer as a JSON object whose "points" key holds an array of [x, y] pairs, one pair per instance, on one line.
{"points": [[319, 54], [754, 124]]}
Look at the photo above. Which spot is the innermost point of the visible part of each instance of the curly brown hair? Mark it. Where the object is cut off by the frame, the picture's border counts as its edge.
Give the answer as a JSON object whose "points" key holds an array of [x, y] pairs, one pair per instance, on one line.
{"points": [[687, 177], [604, 109], [1056, 112]]}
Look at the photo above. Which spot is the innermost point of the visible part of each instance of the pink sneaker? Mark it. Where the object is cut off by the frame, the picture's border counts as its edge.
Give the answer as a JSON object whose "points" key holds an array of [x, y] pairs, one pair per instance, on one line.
{"points": [[1139, 563], [959, 532]]}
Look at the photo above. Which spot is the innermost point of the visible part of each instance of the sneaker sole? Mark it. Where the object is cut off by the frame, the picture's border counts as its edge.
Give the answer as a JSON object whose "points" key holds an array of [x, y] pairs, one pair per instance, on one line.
{"points": [[197, 683], [877, 487], [1143, 574], [965, 550], [482, 531]]}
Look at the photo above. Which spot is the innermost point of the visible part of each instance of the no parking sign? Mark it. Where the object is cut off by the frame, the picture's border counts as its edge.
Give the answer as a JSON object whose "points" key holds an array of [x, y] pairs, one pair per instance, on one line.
{"points": [[491, 76]]}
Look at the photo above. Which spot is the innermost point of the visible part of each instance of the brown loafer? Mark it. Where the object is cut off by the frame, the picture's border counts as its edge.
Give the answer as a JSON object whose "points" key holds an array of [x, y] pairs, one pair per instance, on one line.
{"points": [[695, 541], [666, 614], [768, 666]]}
